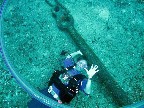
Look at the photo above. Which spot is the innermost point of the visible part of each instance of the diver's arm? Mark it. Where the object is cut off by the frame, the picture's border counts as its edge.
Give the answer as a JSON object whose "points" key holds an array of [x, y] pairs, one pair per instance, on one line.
{"points": [[57, 98], [55, 95], [93, 70], [88, 87], [74, 54]]}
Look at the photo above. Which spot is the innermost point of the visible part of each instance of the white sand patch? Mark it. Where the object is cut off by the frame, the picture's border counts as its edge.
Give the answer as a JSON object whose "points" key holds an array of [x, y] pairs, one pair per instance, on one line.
{"points": [[104, 13]]}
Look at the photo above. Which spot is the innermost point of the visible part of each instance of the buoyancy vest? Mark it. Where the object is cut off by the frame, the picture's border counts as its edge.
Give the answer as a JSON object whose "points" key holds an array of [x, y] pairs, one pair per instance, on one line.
{"points": [[69, 91]]}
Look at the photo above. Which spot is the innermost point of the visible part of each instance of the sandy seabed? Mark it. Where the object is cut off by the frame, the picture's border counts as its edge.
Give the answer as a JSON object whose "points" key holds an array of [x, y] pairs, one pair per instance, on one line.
{"points": [[114, 29]]}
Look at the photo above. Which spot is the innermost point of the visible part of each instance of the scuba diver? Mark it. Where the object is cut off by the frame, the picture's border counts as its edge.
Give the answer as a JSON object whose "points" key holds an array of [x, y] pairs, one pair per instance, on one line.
{"points": [[66, 83]]}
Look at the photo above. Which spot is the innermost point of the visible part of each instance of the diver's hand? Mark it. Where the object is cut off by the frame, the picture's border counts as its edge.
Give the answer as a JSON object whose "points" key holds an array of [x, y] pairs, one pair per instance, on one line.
{"points": [[59, 101], [92, 71]]}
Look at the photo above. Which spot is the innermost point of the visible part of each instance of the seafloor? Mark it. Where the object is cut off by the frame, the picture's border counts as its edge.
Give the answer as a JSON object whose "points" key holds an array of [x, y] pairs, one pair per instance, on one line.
{"points": [[114, 29]]}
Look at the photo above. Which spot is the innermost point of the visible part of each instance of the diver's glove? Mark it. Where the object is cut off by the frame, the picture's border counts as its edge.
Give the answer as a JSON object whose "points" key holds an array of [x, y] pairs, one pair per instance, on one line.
{"points": [[92, 71]]}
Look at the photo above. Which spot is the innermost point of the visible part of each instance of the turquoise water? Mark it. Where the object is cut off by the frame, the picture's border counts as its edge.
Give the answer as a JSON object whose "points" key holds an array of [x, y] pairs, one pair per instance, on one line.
{"points": [[113, 29]]}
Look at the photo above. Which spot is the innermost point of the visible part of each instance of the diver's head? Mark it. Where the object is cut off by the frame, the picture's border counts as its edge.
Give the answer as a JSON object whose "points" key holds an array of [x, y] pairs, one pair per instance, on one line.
{"points": [[81, 64]]}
